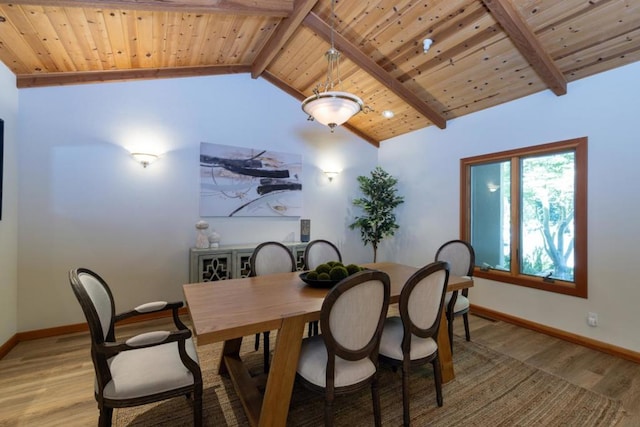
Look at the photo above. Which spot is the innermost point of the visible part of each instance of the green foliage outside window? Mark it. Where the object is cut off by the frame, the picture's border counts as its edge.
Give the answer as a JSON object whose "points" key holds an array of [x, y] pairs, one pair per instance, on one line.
{"points": [[525, 211], [548, 212]]}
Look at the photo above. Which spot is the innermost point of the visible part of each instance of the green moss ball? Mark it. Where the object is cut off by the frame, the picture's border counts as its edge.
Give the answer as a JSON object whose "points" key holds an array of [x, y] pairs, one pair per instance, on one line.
{"points": [[353, 269], [338, 273], [312, 275], [323, 268], [324, 276]]}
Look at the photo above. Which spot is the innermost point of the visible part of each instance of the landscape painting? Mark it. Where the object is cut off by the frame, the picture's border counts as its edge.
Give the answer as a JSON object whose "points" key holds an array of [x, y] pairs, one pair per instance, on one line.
{"points": [[240, 182]]}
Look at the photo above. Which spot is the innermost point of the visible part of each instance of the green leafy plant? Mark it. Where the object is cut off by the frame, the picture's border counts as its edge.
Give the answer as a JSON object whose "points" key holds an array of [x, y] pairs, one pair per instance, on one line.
{"points": [[379, 201]]}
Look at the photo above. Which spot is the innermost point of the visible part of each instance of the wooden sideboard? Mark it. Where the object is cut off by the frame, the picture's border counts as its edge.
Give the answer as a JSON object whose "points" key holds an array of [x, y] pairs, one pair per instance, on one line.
{"points": [[230, 261]]}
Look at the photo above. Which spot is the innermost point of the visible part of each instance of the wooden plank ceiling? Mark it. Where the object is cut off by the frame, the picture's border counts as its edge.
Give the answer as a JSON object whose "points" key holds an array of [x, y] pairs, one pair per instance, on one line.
{"points": [[484, 52]]}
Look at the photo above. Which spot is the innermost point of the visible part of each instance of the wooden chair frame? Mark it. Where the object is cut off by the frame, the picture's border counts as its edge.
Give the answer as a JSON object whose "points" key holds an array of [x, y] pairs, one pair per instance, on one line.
{"points": [[310, 246], [410, 328], [465, 292], [105, 347], [313, 326], [334, 349], [254, 273]]}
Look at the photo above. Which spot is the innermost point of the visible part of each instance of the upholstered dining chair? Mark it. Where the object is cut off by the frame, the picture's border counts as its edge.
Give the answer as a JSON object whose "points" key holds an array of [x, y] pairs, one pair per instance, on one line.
{"points": [[318, 252], [270, 258], [411, 339], [344, 357], [461, 258], [146, 368]]}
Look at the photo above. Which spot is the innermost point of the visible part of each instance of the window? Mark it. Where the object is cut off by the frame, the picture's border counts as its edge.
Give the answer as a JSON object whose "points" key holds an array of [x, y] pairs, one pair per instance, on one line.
{"points": [[525, 214]]}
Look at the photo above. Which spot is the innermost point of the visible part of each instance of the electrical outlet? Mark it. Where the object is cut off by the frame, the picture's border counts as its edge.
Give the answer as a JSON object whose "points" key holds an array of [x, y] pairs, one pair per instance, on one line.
{"points": [[592, 319]]}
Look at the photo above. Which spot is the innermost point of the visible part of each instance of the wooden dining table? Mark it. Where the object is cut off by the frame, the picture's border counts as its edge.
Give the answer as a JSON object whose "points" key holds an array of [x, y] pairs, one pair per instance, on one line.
{"points": [[228, 310]]}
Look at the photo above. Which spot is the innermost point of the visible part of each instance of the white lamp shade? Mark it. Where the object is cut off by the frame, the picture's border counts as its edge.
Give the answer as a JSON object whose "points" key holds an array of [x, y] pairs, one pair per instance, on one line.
{"points": [[332, 108]]}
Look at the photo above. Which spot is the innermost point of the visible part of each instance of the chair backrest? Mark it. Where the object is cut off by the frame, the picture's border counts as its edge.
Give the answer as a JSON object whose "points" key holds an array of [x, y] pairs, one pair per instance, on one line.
{"points": [[271, 257], [460, 256], [318, 252], [352, 316], [96, 301], [421, 302]]}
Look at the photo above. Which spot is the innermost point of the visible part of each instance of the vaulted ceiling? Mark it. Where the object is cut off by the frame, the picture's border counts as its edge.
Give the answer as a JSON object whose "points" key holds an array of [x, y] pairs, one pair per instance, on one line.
{"points": [[484, 52]]}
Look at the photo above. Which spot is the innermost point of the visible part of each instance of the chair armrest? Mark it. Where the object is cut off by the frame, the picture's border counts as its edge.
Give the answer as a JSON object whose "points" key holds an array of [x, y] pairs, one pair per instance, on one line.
{"points": [[150, 307], [145, 340], [154, 307]]}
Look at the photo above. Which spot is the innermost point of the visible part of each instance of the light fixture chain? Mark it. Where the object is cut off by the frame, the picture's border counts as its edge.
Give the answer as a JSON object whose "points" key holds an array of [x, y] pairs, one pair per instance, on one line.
{"points": [[333, 58], [332, 23]]}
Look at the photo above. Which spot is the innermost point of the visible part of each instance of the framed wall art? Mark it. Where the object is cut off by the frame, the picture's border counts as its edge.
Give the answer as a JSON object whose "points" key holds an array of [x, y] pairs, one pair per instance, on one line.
{"points": [[236, 181]]}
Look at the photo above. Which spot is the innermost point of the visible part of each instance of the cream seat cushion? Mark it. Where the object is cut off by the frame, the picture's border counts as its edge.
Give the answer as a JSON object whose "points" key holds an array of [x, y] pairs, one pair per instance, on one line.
{"points": [[462, 302], [391, 342], [312, 365], [150, 370]]}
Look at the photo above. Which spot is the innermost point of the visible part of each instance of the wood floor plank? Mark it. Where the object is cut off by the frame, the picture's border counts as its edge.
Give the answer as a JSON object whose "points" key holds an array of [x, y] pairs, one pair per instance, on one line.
{"points": [[600, 372], [49, 381]]}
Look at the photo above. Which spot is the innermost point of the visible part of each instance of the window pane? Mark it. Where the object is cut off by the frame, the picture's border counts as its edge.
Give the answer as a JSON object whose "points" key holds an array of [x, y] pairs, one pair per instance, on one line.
{"points": [[525, 213], [491, 215], [547, 216]]}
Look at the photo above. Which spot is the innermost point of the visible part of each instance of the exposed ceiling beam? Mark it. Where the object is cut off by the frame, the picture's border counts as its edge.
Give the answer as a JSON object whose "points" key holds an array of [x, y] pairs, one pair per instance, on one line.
{"points": [[352, 52], [61, 79], [301, 96], [528, 44], [283, 33], [282, 8]]}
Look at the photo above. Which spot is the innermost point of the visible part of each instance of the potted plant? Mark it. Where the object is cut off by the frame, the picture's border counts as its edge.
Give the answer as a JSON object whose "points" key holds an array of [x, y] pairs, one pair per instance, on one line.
{"points": [[378, 204]]}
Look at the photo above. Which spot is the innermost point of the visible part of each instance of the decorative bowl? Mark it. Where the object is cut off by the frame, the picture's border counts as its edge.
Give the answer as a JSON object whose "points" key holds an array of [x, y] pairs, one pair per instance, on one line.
{"points": [[318, 283]]}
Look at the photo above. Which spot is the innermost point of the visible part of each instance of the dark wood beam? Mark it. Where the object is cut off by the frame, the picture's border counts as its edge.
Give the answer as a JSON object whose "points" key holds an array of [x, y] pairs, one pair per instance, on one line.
{"points": [[528, 44], [301, 97], [352, 52], [62, 79], [281, 8], [283, 33]]}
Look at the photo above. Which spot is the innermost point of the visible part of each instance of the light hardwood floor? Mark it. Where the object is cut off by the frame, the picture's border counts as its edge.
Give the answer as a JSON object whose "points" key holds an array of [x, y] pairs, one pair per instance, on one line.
{"points": [[49, 382]]}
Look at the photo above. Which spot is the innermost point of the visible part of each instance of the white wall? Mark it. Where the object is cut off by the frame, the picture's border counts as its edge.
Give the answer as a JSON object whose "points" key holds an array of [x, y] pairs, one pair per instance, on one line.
{"points": [[603, 108], [85, 202], [9, 222]]}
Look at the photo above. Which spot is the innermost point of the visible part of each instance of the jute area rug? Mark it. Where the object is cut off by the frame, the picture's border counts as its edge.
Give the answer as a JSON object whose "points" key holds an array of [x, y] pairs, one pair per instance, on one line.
{"points": [[490, 389]]}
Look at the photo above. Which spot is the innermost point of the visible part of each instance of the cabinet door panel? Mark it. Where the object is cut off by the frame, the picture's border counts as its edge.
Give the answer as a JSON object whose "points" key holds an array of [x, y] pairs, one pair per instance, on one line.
{"points": [[214, 267], [298, 255], [241, 264], [230, 262]]}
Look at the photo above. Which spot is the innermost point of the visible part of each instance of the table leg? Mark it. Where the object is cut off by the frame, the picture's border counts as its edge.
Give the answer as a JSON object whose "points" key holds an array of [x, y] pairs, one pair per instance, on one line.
{"points": [[282, 373], [230, 348], [444, 350]]}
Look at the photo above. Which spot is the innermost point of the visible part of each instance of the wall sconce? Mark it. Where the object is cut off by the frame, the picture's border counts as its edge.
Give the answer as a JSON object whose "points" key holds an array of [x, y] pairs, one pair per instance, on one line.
{"points": [[145, 159], [492, 187], [330, 175]]}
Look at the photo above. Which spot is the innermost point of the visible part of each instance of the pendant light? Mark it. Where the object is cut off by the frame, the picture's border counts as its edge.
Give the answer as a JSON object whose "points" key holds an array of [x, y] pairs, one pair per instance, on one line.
{"points": [[329, 106]]}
